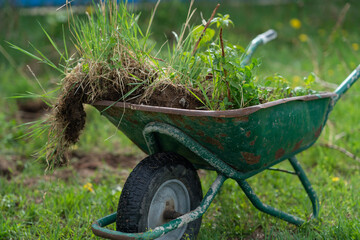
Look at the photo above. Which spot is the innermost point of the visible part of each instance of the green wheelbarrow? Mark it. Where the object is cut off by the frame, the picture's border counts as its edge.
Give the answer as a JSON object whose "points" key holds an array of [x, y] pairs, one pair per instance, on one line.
{"points": [[162, 197]]}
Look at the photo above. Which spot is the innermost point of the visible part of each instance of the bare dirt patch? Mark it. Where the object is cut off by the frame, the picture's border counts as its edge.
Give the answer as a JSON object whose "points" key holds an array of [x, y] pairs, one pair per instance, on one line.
{"points": [[31, 110], [100, 160], [83, 165], [6, 168], [10, 166]]}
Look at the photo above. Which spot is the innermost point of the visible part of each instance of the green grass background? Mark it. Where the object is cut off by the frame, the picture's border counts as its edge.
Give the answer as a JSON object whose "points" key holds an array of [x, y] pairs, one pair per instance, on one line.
{"points": [[38, 205]]}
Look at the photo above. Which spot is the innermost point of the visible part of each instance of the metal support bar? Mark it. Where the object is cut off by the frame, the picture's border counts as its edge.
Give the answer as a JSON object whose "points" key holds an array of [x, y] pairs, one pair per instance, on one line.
{"points": [[192, 145], [307, 185], [99, 230], [282, 170], [278, 213]]}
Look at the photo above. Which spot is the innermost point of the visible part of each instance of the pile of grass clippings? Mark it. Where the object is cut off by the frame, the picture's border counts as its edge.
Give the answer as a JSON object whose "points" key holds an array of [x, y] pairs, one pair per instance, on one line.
{"points": [[116, 62], [79, 87]]}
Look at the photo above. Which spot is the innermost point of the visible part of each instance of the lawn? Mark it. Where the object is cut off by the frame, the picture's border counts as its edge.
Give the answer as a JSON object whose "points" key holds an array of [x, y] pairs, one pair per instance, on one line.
{"points": [[62, 203]]}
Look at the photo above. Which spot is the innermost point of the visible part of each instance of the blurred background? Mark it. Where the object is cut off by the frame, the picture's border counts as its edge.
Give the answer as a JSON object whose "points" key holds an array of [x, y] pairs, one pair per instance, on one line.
{"points": [[320, 37]]}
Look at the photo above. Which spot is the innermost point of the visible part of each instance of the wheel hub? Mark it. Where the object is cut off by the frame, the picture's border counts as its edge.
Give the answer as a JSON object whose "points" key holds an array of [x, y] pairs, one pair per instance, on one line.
{"points": [[170, 201]]}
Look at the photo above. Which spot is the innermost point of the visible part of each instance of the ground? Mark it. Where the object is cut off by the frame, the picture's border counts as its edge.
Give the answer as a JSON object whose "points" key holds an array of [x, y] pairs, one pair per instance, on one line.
{"points": [[325, 42]]}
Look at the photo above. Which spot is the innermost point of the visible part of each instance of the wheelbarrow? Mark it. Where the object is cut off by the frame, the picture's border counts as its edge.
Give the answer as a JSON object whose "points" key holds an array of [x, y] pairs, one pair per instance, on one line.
{"points": [[162, 197]]}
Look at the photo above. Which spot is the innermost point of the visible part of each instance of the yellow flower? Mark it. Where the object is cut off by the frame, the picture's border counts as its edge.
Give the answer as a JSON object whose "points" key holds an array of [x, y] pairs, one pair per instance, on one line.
{"points": [[89, 10], [88, 186], [331, 72], [335, 179], [295, 23], [355, 46], [303, 37], [296, 79]]}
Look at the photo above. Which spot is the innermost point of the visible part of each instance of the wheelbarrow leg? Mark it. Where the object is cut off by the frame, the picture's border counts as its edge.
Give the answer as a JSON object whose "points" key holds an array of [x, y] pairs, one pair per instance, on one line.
{"points": [[307, 185], [278, 213]]}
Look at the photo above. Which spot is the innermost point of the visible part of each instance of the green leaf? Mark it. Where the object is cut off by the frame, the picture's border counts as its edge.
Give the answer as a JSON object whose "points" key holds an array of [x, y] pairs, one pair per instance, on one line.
{"points": [[310, 79], [208, 35]]}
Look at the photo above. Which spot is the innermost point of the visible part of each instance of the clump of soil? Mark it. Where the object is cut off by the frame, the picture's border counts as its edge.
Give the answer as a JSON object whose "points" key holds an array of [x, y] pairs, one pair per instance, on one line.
{"points": [[173, 95]]}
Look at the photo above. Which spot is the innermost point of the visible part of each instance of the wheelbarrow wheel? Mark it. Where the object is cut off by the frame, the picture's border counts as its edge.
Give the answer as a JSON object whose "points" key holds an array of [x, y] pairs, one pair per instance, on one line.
{"points": [[161, 187]]}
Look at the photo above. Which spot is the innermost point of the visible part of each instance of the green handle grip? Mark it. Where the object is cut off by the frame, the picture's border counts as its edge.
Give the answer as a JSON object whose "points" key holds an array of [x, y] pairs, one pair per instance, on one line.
{"points": [[255, 43], [347, 83]]}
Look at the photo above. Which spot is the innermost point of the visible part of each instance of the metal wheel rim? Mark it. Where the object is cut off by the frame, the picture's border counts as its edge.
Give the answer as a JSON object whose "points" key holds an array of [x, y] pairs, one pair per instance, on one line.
{"points": [[173, 192]]}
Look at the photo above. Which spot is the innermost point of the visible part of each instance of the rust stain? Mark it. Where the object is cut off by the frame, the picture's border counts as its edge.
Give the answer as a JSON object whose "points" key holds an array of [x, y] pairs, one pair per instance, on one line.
{"points": [[201, 133], [318, 131], [214, 142], [220, 120], [189, 127], [250, 158], [241, 119], [248, 133], [221, 135], [132, 120], [252, 143], [114, 112], [177, 118], [129, 112], [297, 145], [152, 114], [201, 122], [279, 153]]}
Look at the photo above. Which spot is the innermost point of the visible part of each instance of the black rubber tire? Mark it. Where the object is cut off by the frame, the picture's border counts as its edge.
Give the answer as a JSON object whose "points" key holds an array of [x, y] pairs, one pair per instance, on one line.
{"points": [[142, 184]]}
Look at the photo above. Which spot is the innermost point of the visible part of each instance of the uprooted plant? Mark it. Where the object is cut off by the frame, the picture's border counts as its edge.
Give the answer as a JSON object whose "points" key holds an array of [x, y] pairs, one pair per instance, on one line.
{"points": [[115, 62]]}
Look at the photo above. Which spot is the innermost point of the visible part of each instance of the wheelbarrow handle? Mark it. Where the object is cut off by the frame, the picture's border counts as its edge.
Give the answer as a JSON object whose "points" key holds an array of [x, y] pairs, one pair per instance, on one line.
{"points": [[265, 37], [347, 83], [260, 39]]}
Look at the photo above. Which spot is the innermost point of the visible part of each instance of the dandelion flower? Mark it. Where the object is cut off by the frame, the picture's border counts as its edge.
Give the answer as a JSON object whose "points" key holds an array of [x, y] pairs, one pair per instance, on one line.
{"points": [[335, 179], [295, 23], [296, 79], [355, 46], [331, 72], [89, 10], [303, 37], [88, 186]]}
